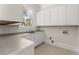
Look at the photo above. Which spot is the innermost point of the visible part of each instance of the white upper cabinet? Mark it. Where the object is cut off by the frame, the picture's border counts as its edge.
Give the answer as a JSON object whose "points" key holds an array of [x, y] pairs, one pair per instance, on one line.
{"points": [[61, 14], [46, 16], [58, 16], [54, 16], [72, 14], [43, 18], [40, 21]]}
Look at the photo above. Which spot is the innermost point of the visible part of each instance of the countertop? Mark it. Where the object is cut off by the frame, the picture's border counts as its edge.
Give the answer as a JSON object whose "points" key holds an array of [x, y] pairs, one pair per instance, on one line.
{"points": [[10, 44], [27, 32]]}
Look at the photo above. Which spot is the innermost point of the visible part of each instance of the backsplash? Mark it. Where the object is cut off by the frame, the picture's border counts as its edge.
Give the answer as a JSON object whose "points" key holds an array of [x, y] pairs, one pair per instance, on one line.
{"points": [[62, 34]]}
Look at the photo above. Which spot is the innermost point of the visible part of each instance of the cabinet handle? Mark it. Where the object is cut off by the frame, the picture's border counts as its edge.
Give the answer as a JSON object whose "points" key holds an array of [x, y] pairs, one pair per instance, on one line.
{"points": [[65, 31]]}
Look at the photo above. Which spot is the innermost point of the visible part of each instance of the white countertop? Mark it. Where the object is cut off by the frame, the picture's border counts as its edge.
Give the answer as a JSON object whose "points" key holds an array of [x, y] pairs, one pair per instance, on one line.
{"points": [[12, 43]]}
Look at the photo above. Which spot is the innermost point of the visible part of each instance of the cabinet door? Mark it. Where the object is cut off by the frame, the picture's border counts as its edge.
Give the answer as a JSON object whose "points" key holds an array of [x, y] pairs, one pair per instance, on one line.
{"points": [[46, 17], [37, 19], [61, 14], [43, 18], [40, 37], [72, 14], [54, 16], [40, 19]]}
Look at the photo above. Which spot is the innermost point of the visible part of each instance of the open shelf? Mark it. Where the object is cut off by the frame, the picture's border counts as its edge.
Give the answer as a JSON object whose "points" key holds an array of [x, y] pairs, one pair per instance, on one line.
{"points": [[6, 22]]}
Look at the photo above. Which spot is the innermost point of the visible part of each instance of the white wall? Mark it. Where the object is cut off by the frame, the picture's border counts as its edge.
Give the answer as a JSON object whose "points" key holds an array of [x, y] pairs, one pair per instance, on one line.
{"points": [[11, 12]]}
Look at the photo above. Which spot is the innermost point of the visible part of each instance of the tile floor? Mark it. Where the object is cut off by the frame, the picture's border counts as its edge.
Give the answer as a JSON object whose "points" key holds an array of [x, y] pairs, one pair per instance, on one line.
{"points": [[46, 49]]}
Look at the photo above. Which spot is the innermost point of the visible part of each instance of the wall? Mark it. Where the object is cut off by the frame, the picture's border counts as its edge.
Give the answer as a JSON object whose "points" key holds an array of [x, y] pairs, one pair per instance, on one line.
{"points": [[11, 12], [68, 41]]}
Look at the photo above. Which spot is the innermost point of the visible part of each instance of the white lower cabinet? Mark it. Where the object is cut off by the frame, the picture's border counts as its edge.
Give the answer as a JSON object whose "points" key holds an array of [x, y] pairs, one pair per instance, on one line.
{"points": [[37, 37]]}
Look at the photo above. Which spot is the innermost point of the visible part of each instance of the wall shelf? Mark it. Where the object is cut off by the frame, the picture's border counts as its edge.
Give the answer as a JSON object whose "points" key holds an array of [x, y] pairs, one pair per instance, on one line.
{"points": [[6, 22]]}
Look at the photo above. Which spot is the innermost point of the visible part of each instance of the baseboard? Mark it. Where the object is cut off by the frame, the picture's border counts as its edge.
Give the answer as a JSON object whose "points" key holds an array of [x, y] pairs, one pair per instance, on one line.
{"points": [[66, 46]]}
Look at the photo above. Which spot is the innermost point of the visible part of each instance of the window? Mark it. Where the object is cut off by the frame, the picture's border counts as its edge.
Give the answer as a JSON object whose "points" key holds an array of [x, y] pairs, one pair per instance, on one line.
{"points": [[27, 21]]}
